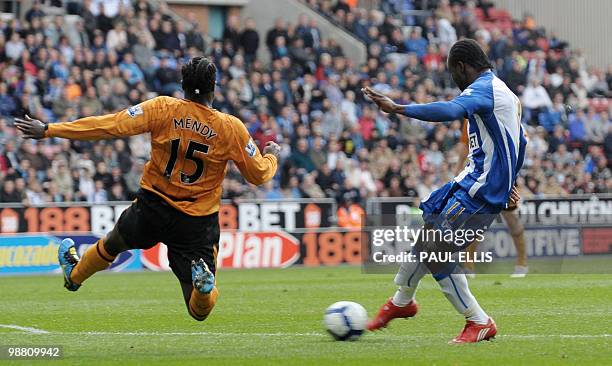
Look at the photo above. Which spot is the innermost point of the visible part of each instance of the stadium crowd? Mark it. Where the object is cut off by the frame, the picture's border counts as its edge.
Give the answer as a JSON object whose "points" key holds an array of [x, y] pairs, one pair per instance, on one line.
{"points": [[335, 143]]}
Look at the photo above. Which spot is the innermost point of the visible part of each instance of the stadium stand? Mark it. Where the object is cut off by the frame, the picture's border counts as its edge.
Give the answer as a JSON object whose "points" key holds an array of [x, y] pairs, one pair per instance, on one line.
{"points": [[119, 53]]}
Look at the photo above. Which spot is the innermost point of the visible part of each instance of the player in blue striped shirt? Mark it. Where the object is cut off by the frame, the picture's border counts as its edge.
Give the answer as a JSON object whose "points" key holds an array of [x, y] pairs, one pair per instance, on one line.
{"points": [[476, 196]]}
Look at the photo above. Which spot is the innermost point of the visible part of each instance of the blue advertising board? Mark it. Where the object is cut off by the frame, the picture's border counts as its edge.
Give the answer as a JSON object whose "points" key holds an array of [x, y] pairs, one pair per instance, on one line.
{"points": [[28, 253]]}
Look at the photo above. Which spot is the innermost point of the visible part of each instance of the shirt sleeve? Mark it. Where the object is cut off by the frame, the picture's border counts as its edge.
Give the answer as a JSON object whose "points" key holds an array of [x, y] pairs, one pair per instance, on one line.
{"points": [[256, 168], [435, 112], [134, 120], [475, 99]]}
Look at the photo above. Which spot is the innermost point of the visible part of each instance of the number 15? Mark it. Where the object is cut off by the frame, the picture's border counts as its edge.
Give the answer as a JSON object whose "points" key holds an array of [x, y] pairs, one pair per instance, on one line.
{"points": [[192, 149]]}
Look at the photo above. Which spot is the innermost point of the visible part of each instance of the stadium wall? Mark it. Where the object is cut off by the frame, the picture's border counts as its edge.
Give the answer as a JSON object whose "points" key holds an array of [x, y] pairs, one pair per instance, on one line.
{"points": [[266, 11], [585, 24]]}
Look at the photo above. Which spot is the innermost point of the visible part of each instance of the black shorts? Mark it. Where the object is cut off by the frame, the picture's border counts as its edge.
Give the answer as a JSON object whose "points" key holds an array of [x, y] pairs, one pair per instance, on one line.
{"points": [[150, 220]]}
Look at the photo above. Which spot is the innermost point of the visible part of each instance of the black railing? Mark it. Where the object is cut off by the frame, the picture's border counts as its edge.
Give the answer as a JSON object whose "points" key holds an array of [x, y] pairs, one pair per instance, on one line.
{"points": [[10, 6]]}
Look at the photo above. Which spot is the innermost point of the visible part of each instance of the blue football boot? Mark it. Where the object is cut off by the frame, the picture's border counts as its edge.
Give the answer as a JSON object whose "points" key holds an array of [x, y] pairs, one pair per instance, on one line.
{"points": [[68, 259], [202, 278]]}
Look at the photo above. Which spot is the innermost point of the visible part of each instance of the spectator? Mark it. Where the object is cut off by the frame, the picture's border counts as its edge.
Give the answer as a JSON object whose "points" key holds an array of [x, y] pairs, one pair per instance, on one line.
{"points": [[117, 39], [117, 193], [35, 194], [167, 78], [194, 37], [34, 12], [104, 22], [416, 43], [280, 50], [130, 68], [90, 21], [318, 154], [300, 158], [99, 194], [7, 102], [249, 41], [535, 99], [9, 194], [14, 47], [168, 39], [577, 131], [308, 98], [279, 30], [312, 36], [310, 188], [595, 126], [62, 181], [350, 215], [231, 32]]}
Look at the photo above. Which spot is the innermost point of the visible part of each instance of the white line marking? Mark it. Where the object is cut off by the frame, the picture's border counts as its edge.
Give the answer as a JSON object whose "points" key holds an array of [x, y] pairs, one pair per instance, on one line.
{"points": [[280, 334], [529, 336], [216, 334], [24, 329]]}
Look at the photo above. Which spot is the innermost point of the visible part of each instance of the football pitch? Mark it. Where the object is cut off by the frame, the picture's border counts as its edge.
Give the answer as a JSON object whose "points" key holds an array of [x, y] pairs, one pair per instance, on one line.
{"points": [[275, 317]]}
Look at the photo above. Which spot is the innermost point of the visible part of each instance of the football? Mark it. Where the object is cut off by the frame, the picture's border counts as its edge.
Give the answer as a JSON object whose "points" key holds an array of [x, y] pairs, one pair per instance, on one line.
{"points": [[345, 320]]}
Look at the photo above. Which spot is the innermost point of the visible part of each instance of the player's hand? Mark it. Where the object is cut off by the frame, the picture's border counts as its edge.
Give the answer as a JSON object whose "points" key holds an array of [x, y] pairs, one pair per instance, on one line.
{"points": [[515, 197], [383, 102], [272, 148], [30, 128]]}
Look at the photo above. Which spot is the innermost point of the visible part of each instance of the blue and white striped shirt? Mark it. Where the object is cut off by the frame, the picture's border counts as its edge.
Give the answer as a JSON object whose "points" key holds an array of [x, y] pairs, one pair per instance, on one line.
{"points": [[496, 139]]}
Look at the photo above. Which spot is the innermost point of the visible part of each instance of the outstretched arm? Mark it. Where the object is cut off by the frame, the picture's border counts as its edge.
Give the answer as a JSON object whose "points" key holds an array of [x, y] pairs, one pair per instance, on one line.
{"points": [[132, 121], [255, 168], [434, 112]]}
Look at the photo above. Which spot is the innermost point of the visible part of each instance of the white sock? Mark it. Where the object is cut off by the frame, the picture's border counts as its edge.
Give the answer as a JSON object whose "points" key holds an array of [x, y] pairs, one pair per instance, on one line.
{"points": [[408, 278], [476, 314], [404, 295], [455, 288]]}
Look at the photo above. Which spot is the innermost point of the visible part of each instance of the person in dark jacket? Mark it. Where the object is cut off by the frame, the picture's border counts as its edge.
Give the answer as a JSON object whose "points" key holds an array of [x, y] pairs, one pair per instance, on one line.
{"points": [[169, 39], [249, 41], [231, 33], [9, 194], [279, 30], [195, 39]]}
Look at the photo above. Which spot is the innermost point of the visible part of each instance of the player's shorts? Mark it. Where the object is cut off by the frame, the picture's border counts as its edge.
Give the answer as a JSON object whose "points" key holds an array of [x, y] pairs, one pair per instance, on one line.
{"points": [[451, 208], [150, 220]]}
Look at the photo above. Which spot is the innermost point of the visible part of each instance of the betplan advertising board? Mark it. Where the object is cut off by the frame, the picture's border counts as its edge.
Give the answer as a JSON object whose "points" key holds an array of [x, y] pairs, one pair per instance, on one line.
{"points": [[257, 234], [254, 235]]}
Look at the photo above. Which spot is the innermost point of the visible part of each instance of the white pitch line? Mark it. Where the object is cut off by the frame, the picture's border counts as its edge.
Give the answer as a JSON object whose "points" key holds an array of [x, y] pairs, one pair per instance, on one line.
{"points": [[24, 329], [216, 334], [527, 336], [284, 334]]}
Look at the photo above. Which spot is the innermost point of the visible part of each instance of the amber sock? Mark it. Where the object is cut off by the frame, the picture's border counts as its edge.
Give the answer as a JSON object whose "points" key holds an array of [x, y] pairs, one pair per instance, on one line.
{"points": [[95, 259], [200, 305]]}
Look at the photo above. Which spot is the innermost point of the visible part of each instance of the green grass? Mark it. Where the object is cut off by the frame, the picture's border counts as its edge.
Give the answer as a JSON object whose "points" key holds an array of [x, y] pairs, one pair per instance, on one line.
{"points": [[274, 317]]}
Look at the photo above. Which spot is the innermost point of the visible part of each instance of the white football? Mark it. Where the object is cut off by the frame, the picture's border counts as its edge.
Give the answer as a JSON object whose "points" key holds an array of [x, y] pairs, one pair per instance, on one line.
{"points": [[345, 320]]}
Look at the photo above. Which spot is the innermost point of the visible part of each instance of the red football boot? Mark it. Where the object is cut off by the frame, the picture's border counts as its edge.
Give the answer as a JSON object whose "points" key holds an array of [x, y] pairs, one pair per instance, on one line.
{"points": [[391, 311], [473, 332]]}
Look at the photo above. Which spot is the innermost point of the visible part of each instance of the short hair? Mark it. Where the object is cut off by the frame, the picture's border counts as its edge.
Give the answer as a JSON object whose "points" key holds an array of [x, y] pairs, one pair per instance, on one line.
{"points": [[469, 52], [199, 76]]}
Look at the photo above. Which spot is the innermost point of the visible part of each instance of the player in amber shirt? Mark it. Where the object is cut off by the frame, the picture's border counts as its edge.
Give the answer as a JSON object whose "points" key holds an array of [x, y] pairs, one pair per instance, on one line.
{"points": [[180, 192]]}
